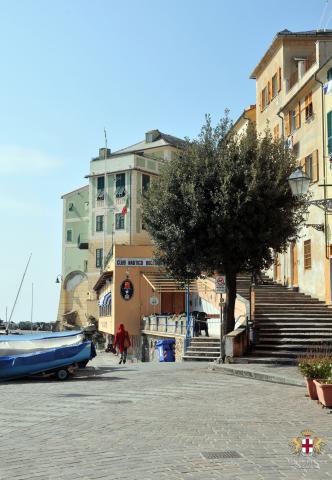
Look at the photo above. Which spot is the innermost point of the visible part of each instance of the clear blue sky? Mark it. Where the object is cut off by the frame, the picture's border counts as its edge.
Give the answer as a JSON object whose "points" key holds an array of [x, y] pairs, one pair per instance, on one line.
{"points": [[69, 68]]}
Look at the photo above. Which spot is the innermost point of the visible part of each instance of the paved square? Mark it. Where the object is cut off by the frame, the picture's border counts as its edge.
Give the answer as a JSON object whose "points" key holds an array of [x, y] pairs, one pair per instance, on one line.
{"points": [[156, 421]]}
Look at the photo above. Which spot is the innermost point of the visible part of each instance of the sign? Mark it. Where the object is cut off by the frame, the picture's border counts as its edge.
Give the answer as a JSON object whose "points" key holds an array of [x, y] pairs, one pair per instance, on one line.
{"points": [[136, 262], [154, 300], [220, 285], [127, 289]]}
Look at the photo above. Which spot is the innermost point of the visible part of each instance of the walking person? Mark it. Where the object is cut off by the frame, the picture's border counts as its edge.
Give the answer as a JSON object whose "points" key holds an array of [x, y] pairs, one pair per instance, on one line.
{"points": [[122, 341]]}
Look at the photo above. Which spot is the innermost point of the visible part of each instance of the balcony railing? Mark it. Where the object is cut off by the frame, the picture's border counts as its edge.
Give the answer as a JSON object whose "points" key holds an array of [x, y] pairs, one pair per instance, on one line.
{"points": [[165, 324]]}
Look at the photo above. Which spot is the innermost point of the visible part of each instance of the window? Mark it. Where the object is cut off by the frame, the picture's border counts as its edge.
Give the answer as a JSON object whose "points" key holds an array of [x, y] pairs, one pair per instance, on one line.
{"points": [[120, 183], [69, 235], [119, 221], [308, 106], [307, 254], [329, 74], [99, 257], [71, 207], [274, 85], [85, 267], [264, 98], [308, 166], [99, 223], [292, 115], [145, 182], [100, 188]]}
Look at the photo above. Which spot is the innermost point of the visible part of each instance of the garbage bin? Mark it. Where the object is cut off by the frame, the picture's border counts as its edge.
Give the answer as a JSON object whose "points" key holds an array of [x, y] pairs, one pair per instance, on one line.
{"points": [[166, 350]]}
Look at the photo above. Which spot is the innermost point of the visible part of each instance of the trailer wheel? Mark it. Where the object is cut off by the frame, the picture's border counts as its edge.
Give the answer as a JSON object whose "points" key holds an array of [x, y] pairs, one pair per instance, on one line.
{"points": [[62, 374]]}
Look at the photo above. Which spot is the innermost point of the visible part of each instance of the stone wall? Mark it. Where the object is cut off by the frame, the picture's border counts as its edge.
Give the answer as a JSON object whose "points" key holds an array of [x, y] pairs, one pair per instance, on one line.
{"points": [[149, 351]]}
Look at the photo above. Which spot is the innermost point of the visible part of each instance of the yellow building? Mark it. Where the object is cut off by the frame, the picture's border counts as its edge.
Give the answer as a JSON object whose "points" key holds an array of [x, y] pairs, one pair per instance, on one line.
{"points": [[290, 102]]}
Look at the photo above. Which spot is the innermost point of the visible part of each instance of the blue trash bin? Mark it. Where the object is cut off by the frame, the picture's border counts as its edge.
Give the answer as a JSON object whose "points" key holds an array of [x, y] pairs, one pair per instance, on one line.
{"points": [[166, 350]]}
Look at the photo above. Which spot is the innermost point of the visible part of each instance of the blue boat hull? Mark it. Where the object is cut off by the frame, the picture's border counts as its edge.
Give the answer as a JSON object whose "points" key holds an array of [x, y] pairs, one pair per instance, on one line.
{"points": [[43, 361]]}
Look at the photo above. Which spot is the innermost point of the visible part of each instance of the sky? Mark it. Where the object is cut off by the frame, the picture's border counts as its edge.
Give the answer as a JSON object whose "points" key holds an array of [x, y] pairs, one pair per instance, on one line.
{"points": [[70, 68]]}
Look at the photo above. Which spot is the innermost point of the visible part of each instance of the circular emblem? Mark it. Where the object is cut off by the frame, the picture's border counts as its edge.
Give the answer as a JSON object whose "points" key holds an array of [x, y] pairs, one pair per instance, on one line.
{"points": [[126, 289]]}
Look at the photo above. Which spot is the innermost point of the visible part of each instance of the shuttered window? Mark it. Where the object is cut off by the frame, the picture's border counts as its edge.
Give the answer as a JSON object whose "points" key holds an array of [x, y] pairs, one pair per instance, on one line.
{"points": [[308, 106], [315, 170], [307, 254], [298, 115], [287, 125], [274, 85], [329, 74], [69, 235], [119, 221], [99, 223], [276, 132], [279, 79], [99, 257]]}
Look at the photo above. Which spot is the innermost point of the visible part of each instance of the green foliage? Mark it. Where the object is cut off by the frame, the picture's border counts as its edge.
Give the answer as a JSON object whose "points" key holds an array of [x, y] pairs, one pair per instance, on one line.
{"points": [[316, 367], [223, 204]]}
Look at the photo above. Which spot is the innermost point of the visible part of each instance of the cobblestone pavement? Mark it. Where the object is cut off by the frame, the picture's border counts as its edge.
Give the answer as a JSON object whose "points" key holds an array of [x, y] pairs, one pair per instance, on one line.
{"points": [[155, 421]]}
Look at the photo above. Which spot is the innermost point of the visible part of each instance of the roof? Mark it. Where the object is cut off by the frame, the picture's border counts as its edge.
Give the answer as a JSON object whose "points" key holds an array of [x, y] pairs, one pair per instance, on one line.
{"points": [[102, 280], [276, 42], [74, 191], [243, 115], [161, 140]]}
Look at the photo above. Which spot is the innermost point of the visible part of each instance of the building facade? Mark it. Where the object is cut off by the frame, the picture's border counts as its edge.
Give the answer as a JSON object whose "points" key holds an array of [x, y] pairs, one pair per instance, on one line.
{"points": [[290, 103], [105, 213]]}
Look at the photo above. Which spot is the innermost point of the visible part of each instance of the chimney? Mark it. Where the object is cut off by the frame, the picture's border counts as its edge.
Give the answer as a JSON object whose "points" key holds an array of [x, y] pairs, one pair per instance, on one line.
{"points": [[104, 153]]}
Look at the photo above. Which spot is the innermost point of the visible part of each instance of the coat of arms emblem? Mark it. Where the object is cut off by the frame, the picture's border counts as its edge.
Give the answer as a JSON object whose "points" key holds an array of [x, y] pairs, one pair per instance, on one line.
{"points": [[307, 445]]}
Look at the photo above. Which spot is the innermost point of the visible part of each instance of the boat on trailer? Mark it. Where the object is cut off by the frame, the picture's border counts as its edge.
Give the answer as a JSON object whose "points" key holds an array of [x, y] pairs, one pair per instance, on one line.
{"points": [[58, 353]]}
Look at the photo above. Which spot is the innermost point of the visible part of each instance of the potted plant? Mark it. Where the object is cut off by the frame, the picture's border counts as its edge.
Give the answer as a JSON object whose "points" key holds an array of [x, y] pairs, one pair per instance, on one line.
{"points": [[314, 368], [324, 391]]}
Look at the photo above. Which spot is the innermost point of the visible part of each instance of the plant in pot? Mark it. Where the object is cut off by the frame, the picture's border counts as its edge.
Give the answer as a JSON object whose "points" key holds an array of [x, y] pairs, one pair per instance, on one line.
{"points": [[324, 391], [314, 368]]}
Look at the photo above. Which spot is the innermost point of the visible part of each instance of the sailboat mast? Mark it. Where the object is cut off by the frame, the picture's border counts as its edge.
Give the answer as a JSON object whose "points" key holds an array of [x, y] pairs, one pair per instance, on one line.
{"points": [[31, 316], [18, 292]]}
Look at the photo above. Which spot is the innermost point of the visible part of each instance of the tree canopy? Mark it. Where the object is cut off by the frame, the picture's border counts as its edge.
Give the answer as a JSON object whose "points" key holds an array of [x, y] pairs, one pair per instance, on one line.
{"points": [[223, 204]]}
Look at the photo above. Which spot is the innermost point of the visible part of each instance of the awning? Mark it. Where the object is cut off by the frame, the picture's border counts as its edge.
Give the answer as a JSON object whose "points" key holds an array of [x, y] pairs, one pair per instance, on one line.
{"points": [[106, 300], [102, 280], [162, 282]]}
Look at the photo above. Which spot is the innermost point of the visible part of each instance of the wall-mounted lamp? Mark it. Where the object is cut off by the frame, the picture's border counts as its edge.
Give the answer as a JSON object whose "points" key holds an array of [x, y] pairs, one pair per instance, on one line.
{"points": [[57, 279]]}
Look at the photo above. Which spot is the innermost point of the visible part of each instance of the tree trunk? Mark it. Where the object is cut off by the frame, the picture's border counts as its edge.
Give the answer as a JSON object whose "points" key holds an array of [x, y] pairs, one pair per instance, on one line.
{"points": [[229, 320]]}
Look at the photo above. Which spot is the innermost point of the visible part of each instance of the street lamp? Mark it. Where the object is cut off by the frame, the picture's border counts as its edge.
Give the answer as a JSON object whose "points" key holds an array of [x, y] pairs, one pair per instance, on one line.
{"points": [[299, 184]]}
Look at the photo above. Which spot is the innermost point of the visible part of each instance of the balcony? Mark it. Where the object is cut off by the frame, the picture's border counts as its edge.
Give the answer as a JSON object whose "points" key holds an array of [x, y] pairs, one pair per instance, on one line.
{"points": [[83, 242]]}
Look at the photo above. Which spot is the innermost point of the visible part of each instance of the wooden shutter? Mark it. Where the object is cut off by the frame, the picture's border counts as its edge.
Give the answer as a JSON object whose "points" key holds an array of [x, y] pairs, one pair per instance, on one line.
{"points": [[261, 101], [269, 91], [276, 132], [302, 164], [287, 124], [298, 115], [279, 79], [315, 172], [307, 254]]}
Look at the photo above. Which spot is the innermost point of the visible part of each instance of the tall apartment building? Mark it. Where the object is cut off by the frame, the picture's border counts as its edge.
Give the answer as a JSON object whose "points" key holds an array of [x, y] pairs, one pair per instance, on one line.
{"points": [[106, 213], [290, 102]]}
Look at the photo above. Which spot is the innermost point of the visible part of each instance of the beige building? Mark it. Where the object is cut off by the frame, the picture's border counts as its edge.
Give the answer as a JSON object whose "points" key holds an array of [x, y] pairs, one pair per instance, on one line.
{"points": [[291, 103]]}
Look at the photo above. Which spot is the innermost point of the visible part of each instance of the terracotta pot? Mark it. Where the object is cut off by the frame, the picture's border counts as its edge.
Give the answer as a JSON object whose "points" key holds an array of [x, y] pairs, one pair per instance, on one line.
{"points": [[324, 392], [311, 388]]}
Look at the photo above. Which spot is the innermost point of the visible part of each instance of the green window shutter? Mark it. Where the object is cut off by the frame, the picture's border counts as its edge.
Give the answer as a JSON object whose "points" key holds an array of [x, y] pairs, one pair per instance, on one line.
{"points": [[138, 220], [329, 132], [329, 74]]}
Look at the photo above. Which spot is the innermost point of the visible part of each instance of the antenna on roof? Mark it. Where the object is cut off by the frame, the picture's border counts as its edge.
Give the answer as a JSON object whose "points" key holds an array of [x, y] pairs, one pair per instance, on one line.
{"points": [[323, 15], [328, 20]]}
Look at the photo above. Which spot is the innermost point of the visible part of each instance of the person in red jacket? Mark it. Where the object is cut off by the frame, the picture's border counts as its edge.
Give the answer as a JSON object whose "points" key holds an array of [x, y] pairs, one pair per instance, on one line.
{"points": [[122, 341]]}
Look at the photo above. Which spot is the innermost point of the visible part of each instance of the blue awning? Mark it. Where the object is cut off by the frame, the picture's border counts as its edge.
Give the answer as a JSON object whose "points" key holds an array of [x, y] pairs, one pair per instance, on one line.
{"points": [[106, 300]]}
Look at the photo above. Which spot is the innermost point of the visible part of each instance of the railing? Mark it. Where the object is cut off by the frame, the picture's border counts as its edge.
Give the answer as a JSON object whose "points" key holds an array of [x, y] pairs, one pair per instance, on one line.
{"points": [[108, 256], [165, 324]]}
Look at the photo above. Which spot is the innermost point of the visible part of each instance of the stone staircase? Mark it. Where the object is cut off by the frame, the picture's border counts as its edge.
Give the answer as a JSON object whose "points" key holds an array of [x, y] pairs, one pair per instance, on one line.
{"points": [[289, 323], [203, 349]]}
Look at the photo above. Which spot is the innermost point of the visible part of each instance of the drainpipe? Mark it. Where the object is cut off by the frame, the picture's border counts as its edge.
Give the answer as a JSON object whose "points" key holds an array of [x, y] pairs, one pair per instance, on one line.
{"points": [[324, 164], [283, 140]]}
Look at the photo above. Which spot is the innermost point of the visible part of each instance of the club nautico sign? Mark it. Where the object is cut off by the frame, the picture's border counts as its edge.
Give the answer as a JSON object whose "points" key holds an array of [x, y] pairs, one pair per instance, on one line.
{"points": [[136, 262]]}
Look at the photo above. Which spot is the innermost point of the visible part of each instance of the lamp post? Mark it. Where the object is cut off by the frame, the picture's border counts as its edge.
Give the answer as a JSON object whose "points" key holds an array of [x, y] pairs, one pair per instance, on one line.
{"points": [[299, 184]]}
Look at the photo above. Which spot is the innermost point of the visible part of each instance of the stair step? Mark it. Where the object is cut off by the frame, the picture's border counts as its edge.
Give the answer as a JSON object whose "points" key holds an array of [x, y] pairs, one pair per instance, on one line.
{"points": [[187, 358]]}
